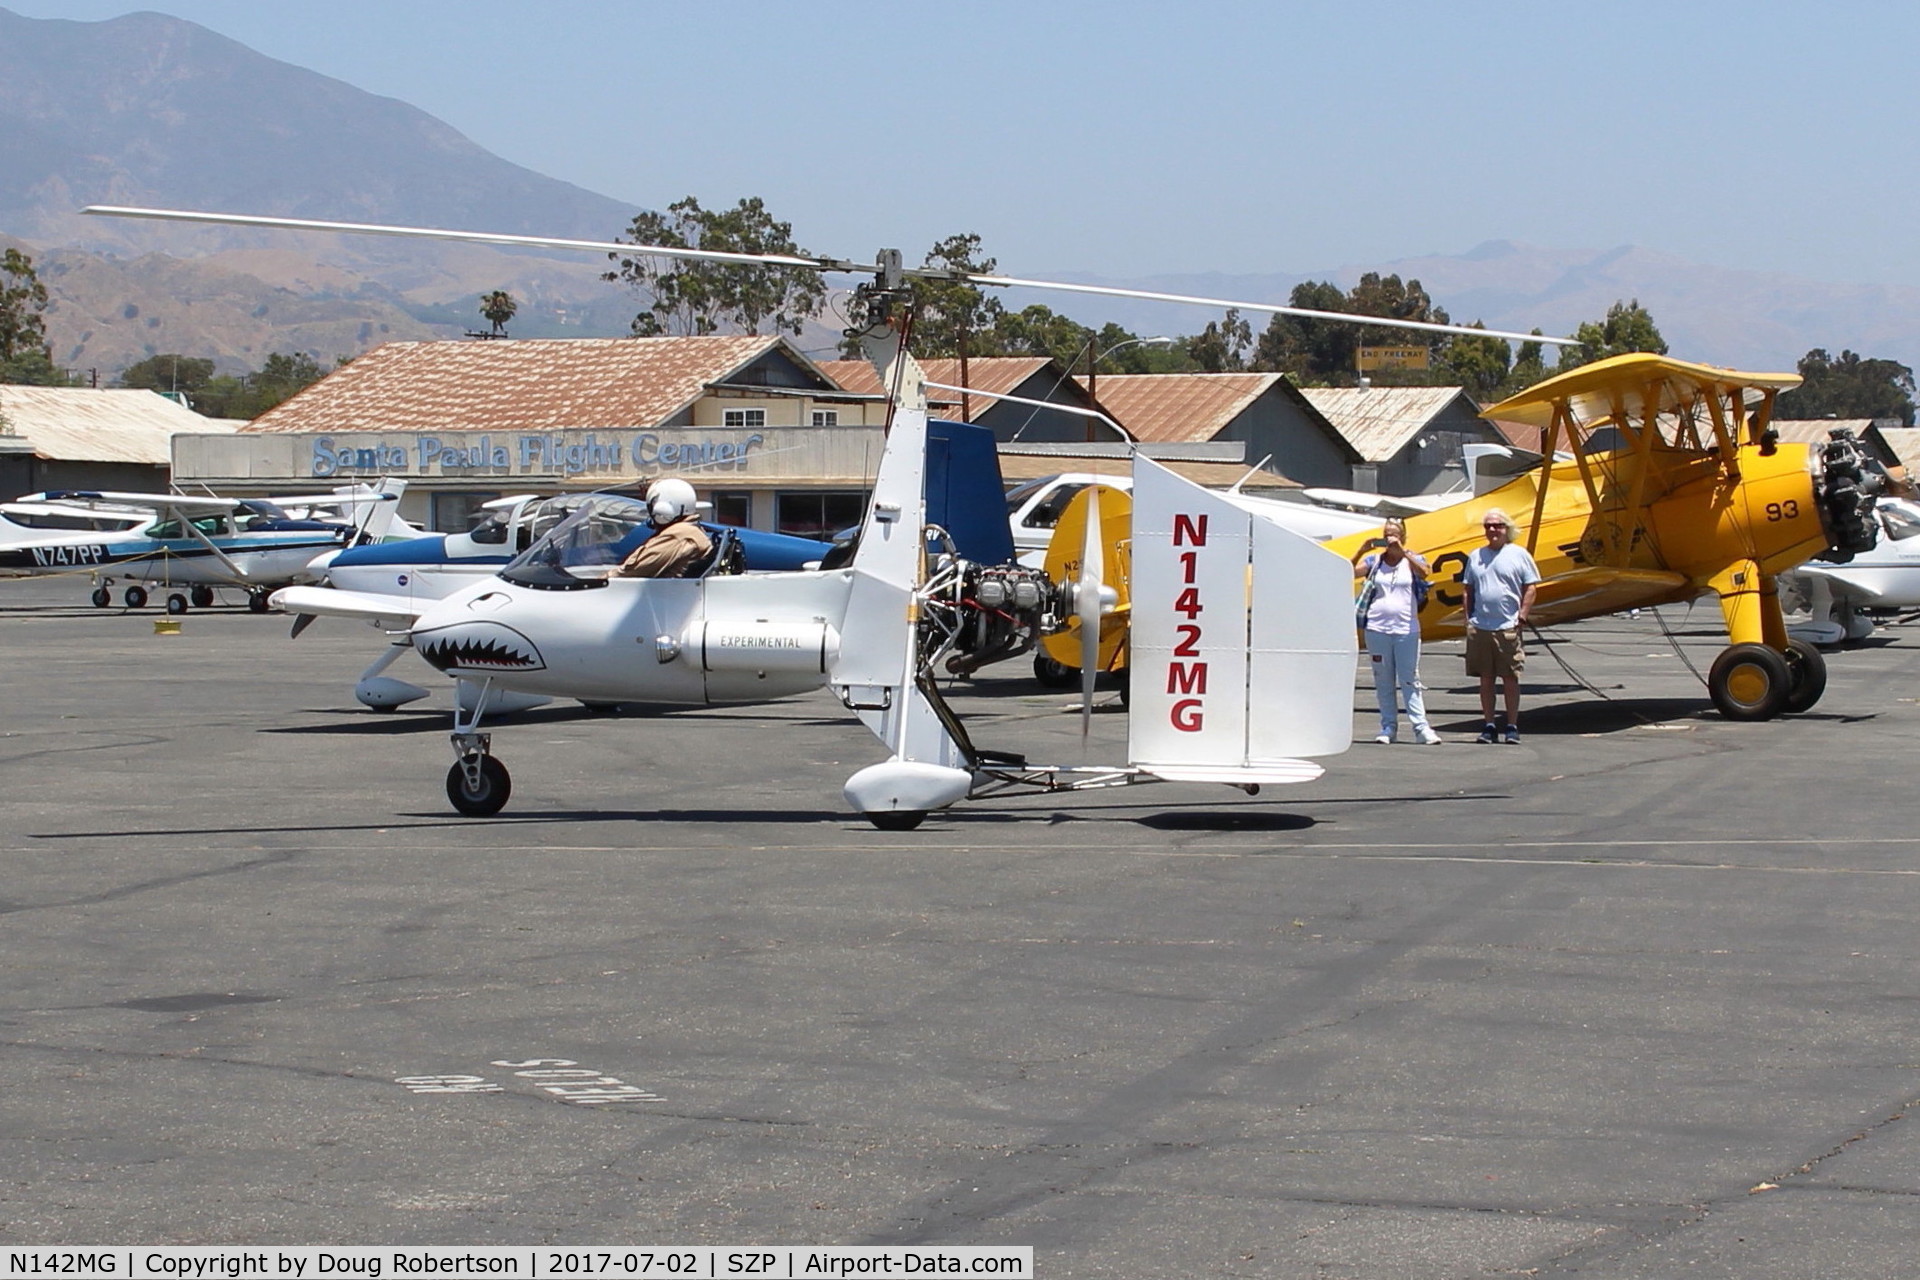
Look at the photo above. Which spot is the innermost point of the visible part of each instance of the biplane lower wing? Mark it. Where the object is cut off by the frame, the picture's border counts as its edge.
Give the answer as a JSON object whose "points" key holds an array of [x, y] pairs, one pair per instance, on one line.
{"points": [[1584, 593]]}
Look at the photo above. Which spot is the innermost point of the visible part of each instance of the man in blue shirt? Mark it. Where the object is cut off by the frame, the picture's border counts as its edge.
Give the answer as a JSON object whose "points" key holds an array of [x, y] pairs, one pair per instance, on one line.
{"points": [[1500, 581]]}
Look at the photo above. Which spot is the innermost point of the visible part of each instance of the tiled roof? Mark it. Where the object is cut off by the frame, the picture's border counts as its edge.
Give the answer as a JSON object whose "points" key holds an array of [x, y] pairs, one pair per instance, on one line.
{"points": [[518, 386], [79, 424], [989, 373], [1378, 421], [1015, 468], [1166, 407]]}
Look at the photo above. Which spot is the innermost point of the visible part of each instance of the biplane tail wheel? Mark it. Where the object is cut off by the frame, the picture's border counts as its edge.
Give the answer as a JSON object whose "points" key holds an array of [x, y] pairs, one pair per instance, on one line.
{"points": [[1054, 675], [1807, 672], [486, 797], [1750, 682]]}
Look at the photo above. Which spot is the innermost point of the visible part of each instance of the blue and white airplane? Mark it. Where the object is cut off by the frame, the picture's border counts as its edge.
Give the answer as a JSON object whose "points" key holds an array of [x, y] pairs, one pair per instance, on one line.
{"points": [[171, 540]]}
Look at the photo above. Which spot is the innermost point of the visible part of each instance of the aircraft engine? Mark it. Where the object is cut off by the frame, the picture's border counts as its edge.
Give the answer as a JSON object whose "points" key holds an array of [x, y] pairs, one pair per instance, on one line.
{"points": [[979, 614], [1846, 483]]}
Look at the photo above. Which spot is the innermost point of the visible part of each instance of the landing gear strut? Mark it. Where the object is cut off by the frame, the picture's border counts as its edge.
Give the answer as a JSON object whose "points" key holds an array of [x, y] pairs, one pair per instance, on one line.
{"points": [[478, 785]]}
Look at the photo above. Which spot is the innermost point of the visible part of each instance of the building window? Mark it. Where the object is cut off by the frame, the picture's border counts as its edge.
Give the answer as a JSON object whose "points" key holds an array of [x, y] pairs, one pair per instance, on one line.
{"points": [[826, 418], [732, 506], [817, 515], [743, 417], [457, 512]]}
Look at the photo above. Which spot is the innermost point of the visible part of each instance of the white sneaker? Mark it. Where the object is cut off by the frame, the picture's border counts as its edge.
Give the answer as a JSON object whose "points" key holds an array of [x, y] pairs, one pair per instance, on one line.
{"points": [[1428, 738], [1385, 739]]}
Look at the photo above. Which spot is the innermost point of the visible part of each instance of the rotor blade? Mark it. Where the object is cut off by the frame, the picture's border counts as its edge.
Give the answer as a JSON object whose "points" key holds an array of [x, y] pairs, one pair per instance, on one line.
{"points": [[1271, 308], [481, 237], [1087, 605]]}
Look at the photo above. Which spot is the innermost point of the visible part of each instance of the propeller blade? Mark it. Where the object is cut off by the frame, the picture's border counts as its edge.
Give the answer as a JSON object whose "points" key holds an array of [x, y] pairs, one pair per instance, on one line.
{"points": [[1087, 605]]}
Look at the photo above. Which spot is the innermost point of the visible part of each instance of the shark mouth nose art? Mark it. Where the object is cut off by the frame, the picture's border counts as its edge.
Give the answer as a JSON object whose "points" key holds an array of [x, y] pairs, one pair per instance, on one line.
{"points": [[478, 646]]}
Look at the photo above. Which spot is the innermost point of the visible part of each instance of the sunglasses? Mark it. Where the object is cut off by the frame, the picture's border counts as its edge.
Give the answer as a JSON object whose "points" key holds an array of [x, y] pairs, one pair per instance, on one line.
{"points": [[1495, 525]]}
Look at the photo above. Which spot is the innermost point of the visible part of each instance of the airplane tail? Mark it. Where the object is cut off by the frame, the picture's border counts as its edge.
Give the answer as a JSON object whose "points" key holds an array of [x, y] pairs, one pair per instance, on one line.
{"points": [[1242, 640], [875, 670], [373, 509]]}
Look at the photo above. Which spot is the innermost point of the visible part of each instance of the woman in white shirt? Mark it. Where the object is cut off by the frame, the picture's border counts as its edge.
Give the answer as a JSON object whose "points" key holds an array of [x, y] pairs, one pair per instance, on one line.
{"points": [[1393, 632]]}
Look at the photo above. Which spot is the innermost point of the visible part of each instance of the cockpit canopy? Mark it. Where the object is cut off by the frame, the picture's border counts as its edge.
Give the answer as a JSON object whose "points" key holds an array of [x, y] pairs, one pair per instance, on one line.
{"points": [[577, 539]]}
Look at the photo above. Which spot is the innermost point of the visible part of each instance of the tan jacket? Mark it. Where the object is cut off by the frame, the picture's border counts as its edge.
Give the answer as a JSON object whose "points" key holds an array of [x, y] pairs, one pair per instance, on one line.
{"points": [[669, 552]]}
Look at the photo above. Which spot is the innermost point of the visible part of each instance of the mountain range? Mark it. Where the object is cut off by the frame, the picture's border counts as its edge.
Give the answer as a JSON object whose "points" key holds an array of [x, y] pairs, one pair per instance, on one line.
{"points": [[152, 110]]}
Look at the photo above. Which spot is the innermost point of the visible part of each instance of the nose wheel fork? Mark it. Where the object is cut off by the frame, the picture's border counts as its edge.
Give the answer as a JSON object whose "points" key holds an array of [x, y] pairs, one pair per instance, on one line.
{"points": [[478, 785]]}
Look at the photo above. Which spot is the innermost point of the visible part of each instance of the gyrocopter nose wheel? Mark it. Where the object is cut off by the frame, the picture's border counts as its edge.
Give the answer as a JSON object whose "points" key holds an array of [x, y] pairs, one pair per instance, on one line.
{"points": [[478, 786]]}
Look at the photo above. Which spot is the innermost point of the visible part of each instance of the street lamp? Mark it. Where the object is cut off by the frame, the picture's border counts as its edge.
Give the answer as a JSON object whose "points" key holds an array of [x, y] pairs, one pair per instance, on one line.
{"points": [[1093, 361]]}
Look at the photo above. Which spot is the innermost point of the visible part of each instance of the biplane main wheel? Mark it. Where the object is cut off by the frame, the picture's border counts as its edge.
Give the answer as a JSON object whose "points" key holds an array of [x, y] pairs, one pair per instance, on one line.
{"points": [[202, 597], [489, 797], [1749, 682], [1054, 675], [1807, 672], [136, 597], [897, 819], [176, 604], [101, 597]]}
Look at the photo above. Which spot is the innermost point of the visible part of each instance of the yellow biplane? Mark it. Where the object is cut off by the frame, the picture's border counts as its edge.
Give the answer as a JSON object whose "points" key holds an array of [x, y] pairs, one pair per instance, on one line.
{"points": [[1672, 485]]}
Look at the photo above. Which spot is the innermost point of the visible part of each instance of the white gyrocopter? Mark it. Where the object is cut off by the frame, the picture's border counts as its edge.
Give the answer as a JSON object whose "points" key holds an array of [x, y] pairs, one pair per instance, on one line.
{"points": [[1242, 640]]}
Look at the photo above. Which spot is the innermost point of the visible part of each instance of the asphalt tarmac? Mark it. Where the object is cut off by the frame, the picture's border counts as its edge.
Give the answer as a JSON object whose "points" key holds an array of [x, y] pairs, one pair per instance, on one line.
{"points": [[1635, 998]]}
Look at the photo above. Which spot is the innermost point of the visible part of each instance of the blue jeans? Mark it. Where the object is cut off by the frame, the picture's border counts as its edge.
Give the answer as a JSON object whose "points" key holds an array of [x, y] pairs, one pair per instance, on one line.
{"points": [[1396, 668]]}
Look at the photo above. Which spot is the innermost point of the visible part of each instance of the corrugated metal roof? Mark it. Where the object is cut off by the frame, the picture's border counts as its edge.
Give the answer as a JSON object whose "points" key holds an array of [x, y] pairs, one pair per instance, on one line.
{"points": [[1378, 421], [519, 385], [1905, 443], [80, 424], [1816, 430]]}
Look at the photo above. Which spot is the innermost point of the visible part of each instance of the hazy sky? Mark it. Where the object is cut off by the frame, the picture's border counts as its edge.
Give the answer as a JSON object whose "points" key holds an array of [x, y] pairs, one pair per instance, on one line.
{"points": [[1128, 139]]}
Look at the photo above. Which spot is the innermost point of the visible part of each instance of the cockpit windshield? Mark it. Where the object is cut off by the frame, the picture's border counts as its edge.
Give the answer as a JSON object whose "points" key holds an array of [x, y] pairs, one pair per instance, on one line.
{"points": [[578, 540]]}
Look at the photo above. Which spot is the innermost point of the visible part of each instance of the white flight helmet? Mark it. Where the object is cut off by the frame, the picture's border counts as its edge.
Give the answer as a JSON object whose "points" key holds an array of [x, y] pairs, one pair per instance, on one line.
{"points": [[670, 500]]}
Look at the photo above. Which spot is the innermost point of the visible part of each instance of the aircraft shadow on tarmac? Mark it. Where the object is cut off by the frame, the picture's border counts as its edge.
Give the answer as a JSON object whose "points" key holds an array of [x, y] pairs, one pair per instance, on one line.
{"points": [[353, 722]]}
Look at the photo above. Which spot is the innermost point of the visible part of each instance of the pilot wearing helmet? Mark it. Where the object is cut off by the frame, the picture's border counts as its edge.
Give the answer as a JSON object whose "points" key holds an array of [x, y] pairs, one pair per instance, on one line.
{"points": [[677, 544]]}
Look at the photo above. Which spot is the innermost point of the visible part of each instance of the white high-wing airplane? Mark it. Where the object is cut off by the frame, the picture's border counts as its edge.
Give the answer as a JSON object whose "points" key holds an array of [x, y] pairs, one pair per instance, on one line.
{"points": [[1839, 596], [197, 543]]}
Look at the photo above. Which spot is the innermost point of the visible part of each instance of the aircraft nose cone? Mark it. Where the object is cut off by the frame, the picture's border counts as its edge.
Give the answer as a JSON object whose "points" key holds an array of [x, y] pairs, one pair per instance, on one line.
{"points": [[462, 640]]}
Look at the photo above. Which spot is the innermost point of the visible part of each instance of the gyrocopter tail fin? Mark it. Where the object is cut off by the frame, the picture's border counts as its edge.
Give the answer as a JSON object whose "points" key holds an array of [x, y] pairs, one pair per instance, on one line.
{"points": [[1243, 640], [876, 669]]}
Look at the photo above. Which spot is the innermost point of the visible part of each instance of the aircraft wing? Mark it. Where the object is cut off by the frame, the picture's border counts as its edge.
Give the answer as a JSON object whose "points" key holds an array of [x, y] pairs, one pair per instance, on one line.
{"points": [[187, 508], [1852, 586], [392, 612], [1384, 504]]}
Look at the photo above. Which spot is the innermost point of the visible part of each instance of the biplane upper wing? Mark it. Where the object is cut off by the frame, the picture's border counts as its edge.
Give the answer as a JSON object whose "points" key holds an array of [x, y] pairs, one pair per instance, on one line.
{"points": [[1631, 384]]}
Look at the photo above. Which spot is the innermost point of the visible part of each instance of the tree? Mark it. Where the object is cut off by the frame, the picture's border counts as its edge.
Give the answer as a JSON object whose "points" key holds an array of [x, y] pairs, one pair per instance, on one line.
{"points": [[1849, 387], [1481, 365], [24, 354], [1627, 328], [279, 379], [169, 372], [1317, 350], [1221, 346], [703, 297], [497, 308]]}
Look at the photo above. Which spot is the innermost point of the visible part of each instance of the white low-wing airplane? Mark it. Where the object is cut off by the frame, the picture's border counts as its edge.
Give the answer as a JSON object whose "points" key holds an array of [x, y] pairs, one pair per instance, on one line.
{"points": [[1242, 669], [198, 543], [419, 571], [1839, 595]]}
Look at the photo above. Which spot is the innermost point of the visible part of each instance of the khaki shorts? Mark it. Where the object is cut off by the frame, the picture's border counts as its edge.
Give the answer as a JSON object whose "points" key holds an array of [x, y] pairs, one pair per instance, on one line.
{"points": [[1495, 653]]}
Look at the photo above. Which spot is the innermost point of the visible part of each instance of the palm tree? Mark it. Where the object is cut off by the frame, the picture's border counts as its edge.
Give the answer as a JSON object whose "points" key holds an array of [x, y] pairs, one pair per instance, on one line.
{"points": [[498, 307]]}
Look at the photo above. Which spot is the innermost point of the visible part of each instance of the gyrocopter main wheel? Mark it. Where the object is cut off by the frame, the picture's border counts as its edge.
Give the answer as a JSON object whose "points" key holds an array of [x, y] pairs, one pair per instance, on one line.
{"points": [[486, 798], [897, 819], [1750, 682]]}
